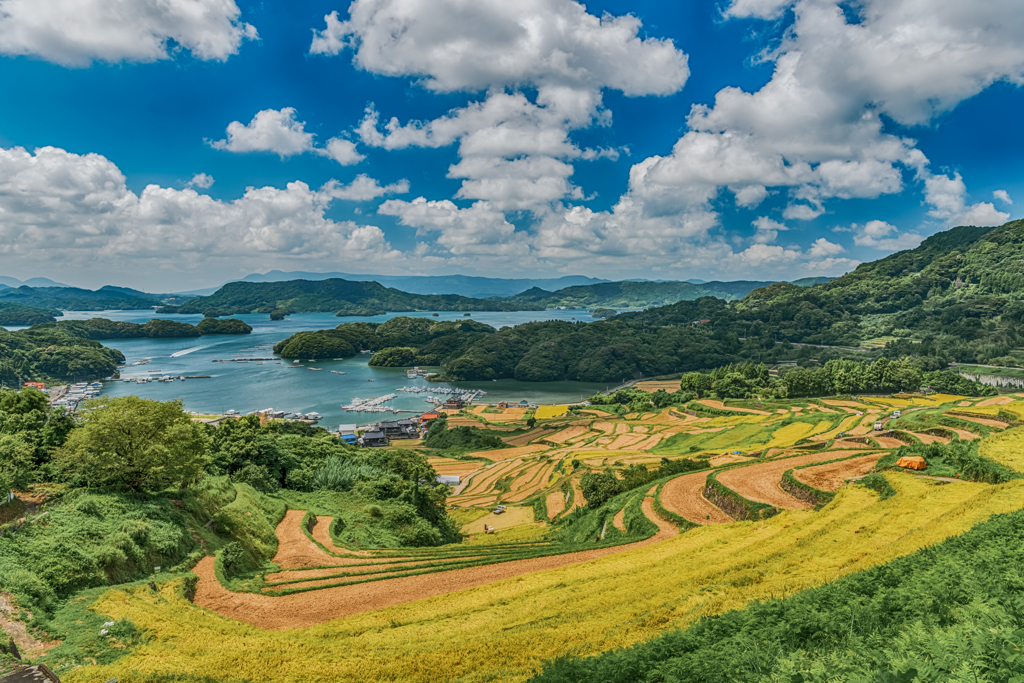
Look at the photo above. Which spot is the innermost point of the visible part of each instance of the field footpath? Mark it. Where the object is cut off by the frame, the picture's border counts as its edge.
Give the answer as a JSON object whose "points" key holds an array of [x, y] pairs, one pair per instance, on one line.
{"points": [[300, 610]]}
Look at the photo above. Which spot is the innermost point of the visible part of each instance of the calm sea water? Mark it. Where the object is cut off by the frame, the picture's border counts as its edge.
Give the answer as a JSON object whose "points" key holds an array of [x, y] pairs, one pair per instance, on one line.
{"points": [[294, 387]]}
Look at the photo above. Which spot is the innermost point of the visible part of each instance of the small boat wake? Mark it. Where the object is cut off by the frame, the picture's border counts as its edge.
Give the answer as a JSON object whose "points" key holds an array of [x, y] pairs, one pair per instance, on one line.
{"points": [[176, 354]]}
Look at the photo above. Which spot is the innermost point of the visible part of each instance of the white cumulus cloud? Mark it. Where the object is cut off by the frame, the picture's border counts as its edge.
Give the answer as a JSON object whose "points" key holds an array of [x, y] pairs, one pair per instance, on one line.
{"points": [[363, 189], [201, 180], [280, 132], [883, 236], [1003, 196], [516, 152], [76, 33], [77, 209]]}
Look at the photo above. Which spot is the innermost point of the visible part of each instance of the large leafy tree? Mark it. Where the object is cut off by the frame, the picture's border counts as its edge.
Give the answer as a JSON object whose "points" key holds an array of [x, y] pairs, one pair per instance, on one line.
{"points": [[134, 444]]}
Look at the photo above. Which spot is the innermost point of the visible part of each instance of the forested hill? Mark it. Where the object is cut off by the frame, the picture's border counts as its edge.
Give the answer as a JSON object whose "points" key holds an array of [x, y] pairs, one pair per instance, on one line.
{"points": [[341, 296], [75, 299], [630, 294], [957, 297]]}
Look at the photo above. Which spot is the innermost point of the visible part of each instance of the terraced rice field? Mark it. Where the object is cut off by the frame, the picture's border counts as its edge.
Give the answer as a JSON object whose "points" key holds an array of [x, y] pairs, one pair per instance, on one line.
{"points": [[760, 482], [832, 476], [583, 607], [684, 496]]}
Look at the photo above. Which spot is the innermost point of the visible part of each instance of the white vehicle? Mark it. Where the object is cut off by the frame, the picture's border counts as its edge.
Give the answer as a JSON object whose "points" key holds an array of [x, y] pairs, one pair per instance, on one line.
{"points": [[878, 426], [896, 414]]}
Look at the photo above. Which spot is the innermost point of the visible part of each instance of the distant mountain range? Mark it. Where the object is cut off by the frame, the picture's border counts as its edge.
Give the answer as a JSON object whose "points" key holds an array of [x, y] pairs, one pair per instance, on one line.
{"points": [[6, 282], [464, 285], [335, 295], [75, 299]]}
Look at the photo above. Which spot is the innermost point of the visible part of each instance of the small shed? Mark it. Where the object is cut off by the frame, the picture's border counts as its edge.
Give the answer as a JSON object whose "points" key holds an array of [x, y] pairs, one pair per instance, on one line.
{"points": [[449, 479], [454, 403]]}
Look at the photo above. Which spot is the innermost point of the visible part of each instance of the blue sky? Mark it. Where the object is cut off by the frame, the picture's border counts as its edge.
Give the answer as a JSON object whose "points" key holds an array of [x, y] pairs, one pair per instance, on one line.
{"points": [[175, 145]]}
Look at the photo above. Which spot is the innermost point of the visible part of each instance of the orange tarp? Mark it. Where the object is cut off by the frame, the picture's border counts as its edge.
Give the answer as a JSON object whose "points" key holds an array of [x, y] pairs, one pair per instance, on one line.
{"points": [[912, 462]]}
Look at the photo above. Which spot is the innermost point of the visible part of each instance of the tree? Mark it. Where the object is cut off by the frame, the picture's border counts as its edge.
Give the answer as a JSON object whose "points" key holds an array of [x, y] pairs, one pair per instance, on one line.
{"points": [[16, 463], [696, 382], [134, 444]]}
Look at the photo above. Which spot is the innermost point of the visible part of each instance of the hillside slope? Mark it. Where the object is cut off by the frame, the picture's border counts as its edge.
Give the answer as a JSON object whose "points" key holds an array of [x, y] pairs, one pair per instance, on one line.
{"points": [[342, 296]]}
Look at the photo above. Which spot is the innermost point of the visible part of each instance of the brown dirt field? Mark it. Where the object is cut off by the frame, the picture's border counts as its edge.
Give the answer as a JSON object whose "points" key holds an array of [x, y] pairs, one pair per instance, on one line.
{"points": [[459, 467], [963, 404], [996, 401], [555, 503], [619, 520], [982, 421], [536, 483], [721, 406], [300, 610], [850, 404], [640, 429], [844, 444], [621, 428], [728, 459], [606, 427], [567, 433], [482, 482], [824, 410], [684, 496], [524, 439], [578, 500], [652, 386], [645, 445], [888, 442], [506, 453], [962, 433], [929, 438], [322, 533], [832, 476], [761, 482], [294, 549], [624, 440]]}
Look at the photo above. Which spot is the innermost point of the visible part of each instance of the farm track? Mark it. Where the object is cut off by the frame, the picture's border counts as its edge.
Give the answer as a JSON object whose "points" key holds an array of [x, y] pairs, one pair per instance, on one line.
{"points": [[832, 476], [760, 482], [300, 610], [294, 549], [684, 496]]}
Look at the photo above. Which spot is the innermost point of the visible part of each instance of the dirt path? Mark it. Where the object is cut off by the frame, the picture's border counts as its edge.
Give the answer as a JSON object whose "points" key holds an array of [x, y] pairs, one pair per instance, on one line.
{"points": [[761, 482], [301, 610], [28, 645], [685, 496], [832, 476], [294, 549]]}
